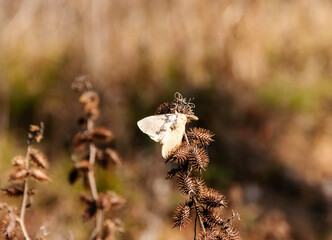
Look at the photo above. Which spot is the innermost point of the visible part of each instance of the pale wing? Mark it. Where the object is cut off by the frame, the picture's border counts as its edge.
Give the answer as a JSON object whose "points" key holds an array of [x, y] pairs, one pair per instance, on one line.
{"points": [[157, 126]]}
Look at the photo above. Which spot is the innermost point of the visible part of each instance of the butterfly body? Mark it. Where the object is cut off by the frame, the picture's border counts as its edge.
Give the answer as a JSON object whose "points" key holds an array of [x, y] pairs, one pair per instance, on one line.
{"points": [[167, 129]]}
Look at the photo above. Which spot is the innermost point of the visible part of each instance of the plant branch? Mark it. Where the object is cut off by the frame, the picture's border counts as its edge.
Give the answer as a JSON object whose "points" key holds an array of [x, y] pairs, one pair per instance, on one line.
{"points": [[25, 197], [92, 183]]}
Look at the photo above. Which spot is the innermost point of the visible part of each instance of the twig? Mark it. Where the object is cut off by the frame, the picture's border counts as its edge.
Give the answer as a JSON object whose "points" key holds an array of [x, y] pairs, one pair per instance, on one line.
{"points": [[92, 183], [25, 198]]}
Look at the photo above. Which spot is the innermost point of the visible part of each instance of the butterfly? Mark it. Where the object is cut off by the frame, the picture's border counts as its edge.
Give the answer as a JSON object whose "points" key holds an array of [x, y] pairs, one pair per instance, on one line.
{"points": [[167, 129]]}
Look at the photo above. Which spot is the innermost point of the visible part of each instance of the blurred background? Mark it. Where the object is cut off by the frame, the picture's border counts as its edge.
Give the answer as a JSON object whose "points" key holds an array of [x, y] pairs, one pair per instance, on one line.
{"points": [[260, 73]]}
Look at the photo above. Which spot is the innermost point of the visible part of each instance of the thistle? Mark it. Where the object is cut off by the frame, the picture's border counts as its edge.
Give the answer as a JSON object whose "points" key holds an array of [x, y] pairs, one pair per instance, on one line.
{"points": [[32, 166]]}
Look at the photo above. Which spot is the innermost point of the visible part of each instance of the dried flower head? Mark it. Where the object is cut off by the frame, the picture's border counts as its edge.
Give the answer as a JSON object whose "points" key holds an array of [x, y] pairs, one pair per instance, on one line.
{"points": [[36, 133]]}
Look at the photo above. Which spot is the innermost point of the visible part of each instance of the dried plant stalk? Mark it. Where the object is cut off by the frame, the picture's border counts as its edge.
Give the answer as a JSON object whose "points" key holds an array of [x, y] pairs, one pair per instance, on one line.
{"points": [[22, 173], [189, 158], [87, 141]]}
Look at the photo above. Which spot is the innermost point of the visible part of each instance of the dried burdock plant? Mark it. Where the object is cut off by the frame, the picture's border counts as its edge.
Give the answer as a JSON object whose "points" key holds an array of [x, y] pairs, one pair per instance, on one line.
{"points": [[186, 151], [32, 166], [88, 154]]}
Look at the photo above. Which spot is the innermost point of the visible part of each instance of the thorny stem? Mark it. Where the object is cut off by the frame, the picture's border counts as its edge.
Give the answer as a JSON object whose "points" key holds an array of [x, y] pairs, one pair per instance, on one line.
{"points": [[25, 197], [198, 212], [92, 183]]}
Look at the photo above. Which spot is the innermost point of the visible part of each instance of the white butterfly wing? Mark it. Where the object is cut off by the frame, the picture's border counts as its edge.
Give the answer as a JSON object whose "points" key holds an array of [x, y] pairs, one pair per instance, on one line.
{"points": [[157, 126]]}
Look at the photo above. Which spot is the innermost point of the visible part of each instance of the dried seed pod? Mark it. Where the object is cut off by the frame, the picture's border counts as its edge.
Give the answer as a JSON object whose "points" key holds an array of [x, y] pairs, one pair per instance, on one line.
{"points": [[212, 198], [171, 173], [208, 235], [108, 157], [108, 230], [101, 135], [38, 158], [186, 184], [181, 216], [200, 187], [164, 108], [90, 211], [87, 199], [80, 141], [18, 161], [89, 99], [212, 218], [9, 226], [82, 122], [181, 154], [110, 199], [13, 190], [39, 175], [36, 133], [199, 158], [73, 175], [228, 233], [81, 84], [84, 166], [113, 156], [19, 175], [200, 136]]}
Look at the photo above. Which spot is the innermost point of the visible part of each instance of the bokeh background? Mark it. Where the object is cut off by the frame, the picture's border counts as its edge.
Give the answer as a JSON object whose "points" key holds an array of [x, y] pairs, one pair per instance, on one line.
{"points": [[260, 73]]}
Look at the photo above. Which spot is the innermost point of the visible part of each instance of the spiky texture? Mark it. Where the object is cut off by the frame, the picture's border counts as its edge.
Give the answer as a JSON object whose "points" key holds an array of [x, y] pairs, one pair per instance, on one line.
{"points": [[188, 161], [199, 158], [186, 184], [181, 154], [228, 233], [164, 108], [208, 235], [212, 198], [181, 216], [171, 173], [200, 136], [212, 218]]}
